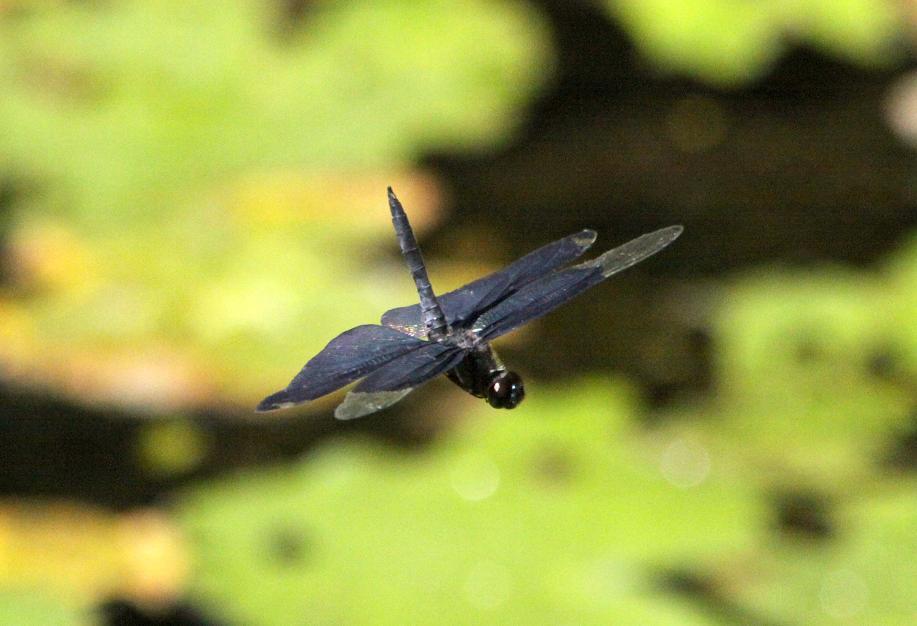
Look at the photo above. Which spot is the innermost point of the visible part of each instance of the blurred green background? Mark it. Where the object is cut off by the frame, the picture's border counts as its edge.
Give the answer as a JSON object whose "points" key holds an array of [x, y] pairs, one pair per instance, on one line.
{"points": [[192, 203]]}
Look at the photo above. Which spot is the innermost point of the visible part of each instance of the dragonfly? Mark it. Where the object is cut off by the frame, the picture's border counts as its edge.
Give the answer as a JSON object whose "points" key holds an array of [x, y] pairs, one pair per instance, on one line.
{"points": [[451, 334]]}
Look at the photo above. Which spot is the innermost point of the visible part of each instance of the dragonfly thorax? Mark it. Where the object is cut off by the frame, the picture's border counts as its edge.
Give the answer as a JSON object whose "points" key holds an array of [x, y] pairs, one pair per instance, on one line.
{"points": [[465, 338], [481, 373]]}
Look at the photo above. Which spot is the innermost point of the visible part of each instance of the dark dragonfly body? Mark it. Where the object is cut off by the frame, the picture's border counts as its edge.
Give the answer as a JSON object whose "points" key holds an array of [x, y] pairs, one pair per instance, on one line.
{"points": [[451, 334], [431, 314], [482, 374]]}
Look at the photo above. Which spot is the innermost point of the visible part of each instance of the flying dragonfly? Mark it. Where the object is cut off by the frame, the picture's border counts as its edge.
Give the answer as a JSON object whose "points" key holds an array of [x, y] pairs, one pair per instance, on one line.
{"points": [[451, 334]]}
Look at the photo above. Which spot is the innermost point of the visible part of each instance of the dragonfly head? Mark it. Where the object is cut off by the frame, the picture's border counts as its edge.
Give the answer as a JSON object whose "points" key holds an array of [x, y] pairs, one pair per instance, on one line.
{"points": [[505, 390]]}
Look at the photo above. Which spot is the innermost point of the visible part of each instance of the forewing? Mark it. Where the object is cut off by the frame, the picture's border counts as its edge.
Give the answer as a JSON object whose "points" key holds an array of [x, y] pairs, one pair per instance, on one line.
{"points": [[541, 297], [466, 302], [535, 300], [635, 250], [396, 379], [351, 355]]}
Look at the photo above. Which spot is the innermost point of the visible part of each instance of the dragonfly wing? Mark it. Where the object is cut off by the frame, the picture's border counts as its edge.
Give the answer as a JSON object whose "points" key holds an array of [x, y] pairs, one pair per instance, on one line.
{"points": [[541, 297], [462, 304], [360, 403], [406, 319], [351, 355], [396, 379], [635, 250], [535, 300]]}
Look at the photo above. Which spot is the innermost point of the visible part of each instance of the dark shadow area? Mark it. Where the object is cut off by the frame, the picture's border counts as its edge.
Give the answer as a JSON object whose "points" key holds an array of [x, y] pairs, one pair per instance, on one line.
{"points": [[54, 448], [615, 148], [704, 593], [123, 613], [806, 514]]}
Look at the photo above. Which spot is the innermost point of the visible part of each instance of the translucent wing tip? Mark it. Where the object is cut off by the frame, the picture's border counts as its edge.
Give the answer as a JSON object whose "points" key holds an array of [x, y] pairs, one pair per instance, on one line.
{"points": [[275, 401], [585, 237], [358, 404], [636, 250], [674, 231]]}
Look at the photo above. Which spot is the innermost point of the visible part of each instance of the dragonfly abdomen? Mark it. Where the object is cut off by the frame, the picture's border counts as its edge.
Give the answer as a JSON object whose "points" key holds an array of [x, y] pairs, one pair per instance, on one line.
{"points": [[431, 312]]}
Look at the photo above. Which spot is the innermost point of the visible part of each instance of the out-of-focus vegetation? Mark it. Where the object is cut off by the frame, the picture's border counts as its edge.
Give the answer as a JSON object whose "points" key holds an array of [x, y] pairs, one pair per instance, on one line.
{"points": [[566, 510], [76, 555], [200, 193], [730, 42], [553, 513], [192, 203]]}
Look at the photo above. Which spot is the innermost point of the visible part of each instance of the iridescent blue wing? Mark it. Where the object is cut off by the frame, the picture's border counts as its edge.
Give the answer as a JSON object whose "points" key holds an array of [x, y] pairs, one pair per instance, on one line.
{"points": [[397, 378], [349, 356], [465, 303], [543, 296]]}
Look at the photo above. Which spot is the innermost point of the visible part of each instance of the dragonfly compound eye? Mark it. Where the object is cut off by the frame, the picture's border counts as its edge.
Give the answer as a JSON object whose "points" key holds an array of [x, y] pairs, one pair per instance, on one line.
{"points": [[505, 391]]}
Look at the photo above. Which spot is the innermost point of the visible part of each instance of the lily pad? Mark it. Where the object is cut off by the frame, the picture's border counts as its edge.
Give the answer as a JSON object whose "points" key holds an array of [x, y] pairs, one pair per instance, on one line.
{"points": [[546, 514]]}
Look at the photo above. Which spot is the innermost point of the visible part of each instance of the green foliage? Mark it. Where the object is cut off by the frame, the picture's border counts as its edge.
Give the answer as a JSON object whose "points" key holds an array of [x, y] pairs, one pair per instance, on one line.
{"points": [[733, 41], [865, 577], [815, 388], [796, 368], [813, 363], [23, 608], [547, 514], [126, 105], [200, 188], [566, 510]]}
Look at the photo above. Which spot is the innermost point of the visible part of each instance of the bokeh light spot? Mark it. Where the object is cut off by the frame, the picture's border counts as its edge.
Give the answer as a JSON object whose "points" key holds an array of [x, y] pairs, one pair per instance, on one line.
{"points": [[475, 478], [685, 463], [169, 447]]}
